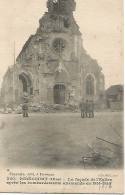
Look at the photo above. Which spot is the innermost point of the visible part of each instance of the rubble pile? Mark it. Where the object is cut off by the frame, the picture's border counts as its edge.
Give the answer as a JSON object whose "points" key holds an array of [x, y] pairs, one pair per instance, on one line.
{"points": [[47, 108]]}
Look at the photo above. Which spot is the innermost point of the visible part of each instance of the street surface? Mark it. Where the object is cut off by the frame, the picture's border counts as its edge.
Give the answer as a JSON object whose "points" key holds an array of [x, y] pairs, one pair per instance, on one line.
{"points": [[60, 140]]}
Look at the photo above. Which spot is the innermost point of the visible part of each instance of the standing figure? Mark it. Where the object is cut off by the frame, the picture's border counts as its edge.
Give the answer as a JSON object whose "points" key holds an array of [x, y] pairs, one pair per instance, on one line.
{"points": [[25, 104], [87, 108], [91, 109], [82, 108], [25, 110]]}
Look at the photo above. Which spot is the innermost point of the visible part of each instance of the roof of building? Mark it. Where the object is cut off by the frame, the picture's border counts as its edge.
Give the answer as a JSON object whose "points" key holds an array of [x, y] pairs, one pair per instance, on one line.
{"points": [[114, 89], [25, 45]]}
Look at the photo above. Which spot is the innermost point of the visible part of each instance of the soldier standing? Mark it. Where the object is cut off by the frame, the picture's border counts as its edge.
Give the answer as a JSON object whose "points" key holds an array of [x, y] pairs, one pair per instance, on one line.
{"points": [[91, 109], [82, 108], [92, 103], [87, 108], [25, 105], [25, 109]]}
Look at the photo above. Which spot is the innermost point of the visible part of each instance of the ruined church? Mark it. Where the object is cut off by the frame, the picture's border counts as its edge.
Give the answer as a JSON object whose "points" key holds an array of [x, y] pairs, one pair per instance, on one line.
{"points": [[53, 67]]}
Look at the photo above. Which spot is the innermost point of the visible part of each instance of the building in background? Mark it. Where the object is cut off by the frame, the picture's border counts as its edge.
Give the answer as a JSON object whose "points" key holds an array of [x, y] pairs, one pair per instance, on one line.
{"points": [[53, 67], [115, 97]]}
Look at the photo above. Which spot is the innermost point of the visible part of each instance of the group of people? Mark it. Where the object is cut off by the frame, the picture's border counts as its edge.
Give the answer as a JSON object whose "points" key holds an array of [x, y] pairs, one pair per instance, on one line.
{"points": [[87, 108]]}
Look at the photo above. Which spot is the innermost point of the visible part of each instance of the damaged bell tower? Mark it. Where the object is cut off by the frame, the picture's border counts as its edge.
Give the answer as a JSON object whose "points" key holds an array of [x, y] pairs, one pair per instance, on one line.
{"points": [[53, 67]]}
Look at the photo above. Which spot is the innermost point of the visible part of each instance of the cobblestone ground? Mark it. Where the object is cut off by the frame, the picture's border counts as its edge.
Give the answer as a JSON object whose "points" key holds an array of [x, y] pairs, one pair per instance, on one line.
{"points": [[61, 140]]}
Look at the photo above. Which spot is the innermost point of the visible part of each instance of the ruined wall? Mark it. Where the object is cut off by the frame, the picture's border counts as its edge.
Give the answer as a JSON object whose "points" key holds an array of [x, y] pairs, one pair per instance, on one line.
{"points": [[55, 49]]}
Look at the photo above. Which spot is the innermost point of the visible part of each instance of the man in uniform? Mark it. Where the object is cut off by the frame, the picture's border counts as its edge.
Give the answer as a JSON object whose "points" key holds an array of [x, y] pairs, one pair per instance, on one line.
{"points": [[25, 105], [25, 109], [82, 108], [86, 108], [91, 109]]}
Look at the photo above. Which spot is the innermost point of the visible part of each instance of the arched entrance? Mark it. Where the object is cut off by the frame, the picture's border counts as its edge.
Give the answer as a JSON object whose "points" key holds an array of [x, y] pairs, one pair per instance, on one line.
{"points": [[59, 94], [26, 84]]}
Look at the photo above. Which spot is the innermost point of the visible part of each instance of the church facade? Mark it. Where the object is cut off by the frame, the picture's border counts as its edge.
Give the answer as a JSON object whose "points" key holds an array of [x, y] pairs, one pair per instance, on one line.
{"points": [[53, 67]]}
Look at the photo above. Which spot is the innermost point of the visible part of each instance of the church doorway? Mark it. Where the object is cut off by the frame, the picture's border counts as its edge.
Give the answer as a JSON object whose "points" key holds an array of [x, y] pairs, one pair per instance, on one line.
{"points": [[59, 94], [25, 84]]}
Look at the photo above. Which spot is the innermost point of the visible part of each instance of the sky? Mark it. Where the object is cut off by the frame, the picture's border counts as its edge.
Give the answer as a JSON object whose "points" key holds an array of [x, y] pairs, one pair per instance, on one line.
{"points": [[100, 23]]}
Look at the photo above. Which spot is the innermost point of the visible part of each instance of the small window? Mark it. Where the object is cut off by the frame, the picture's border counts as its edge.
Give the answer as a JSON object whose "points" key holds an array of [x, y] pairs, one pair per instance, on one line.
{"points": [[66, 23]]}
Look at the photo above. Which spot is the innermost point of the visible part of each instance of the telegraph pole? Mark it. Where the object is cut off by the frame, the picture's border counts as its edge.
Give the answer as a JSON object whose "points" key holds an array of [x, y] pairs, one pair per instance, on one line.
{"points": [[14, 53], [14, 62]]}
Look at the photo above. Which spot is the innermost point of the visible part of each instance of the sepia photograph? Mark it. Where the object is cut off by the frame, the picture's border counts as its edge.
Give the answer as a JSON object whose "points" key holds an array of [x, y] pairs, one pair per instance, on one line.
{"points": [[61, 84]]}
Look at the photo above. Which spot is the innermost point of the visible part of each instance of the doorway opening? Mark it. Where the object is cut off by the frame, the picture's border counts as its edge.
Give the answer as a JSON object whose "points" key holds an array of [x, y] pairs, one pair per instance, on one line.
{"points": [[59, 94], [26, 84]]}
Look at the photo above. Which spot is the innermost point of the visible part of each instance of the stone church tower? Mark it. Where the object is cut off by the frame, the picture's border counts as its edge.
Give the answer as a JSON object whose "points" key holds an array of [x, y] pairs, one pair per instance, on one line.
{"points": [[53, 67]]}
